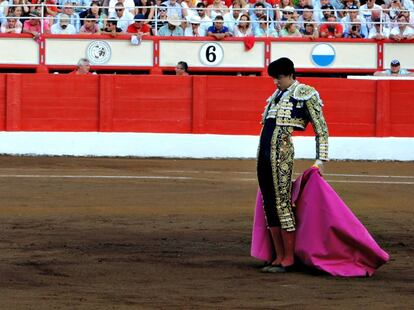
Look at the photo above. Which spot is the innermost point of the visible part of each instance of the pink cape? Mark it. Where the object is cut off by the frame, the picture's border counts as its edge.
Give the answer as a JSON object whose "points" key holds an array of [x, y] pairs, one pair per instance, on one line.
{"points": [[329, 237]]}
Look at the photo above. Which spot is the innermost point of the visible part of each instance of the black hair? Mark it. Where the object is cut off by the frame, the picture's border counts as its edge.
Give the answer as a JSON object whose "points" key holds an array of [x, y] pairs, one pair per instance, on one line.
{"points": [[184, 64], [280, 66]]}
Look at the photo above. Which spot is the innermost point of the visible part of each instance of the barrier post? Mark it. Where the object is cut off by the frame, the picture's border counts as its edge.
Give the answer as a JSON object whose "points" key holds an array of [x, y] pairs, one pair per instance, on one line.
{"points": [[13, 102], [383, 120], [106, 102], [156, 62], [199, 104]]}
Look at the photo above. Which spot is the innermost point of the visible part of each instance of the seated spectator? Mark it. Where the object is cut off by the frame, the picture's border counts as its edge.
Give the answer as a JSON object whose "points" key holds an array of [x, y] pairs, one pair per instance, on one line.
{"points": [[267, 8], [395, 10], [172, 29], [319, 8], [355, 31], [331, 29], [181, 69], [402, 31], [310, 31], [244, 27], [231, 18], [194, 29], [216, 8], [204, 19], [173, 8], [188, 9], [33, 25], [264, 30], [352, 18], [77, 4], [124, 17], [73, 17], [111, 28], [95, 10], [146, 7], [11, 25], [306, 17], [327, 10], [218, 30], [83, 67], [20, 10], [290, 30], [63, 26], [394, 71], [378, 32], [367, 9], [90, 26], [139, 27], [301, 6], [257, 13], [162, 19], [287, 15], [129, 6], [379, 14]]}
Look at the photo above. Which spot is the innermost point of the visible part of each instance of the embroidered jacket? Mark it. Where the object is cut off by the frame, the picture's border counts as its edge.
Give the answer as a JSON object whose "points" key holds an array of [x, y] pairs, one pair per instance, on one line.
{"points": [[299, 105]]}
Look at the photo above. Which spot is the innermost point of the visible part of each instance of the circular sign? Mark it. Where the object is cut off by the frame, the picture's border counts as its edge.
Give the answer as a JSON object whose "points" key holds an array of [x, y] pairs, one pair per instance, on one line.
{"points": [[323, 55], [98, 52], [211, 54]]}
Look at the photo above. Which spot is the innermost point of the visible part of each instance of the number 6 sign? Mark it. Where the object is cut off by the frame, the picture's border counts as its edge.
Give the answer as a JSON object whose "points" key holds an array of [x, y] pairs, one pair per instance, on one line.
{"points": [[211, 54]]}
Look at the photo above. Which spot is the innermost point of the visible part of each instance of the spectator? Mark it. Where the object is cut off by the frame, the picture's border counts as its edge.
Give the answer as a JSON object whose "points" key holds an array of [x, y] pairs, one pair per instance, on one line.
{"points": [[181, 69], [264, 29], [287, 15], [301, 6], [90, 26], [146, 7], [310, 31], [244, 28], [216, 9], [172, 29], [395, 70], [355, 31], [4, 8], [231, 18], [73, 17], [331, 29], [218, 30], [259, 11], [33, 25], [124, 17], [20, 9], [267, 8], [128, 5], [83, 67], [290, 30], [173, 8], [352, 19], [402, 31], [306, 17], [11, 25], [111, 28], [162, 19], [319, 7], [378, 32], [194, 29], [139, 27], [63, 26], [366, 10], [95, 10], [379, 14], [188, 9], [395, 9], [204, 19], [327, 10]]}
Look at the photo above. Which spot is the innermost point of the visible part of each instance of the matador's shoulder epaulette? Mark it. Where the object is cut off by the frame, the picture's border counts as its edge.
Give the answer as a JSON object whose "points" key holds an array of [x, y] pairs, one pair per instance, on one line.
{"points": [[304, 92]]}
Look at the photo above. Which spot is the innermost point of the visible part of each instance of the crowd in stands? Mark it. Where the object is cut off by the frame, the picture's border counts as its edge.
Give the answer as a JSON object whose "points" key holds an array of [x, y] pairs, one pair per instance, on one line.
{"points": [[378, 19]]}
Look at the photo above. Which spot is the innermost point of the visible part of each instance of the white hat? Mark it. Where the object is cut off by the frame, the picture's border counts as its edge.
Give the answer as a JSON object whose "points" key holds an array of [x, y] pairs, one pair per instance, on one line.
{"points": [[195, 19], [174, 20], [288, 9]]}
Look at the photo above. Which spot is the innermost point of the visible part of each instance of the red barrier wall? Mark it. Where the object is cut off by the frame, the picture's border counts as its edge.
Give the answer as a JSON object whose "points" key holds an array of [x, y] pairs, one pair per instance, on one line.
{"points": [[193, 104]]}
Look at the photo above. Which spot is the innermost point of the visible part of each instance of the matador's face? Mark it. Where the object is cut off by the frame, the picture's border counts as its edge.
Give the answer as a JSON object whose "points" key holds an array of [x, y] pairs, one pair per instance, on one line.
{"points": [[283, 81]]}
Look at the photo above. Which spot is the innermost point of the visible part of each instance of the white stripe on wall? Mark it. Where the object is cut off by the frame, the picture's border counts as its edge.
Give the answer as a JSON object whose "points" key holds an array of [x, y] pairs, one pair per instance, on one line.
{"points": [[192, 145]]}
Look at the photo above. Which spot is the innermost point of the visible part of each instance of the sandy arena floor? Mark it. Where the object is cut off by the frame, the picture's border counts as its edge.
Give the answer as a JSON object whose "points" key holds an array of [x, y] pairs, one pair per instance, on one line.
{"points": [[99, 233]]}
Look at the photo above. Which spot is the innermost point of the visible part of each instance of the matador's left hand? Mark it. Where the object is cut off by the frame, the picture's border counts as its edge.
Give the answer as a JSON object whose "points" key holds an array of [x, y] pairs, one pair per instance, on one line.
{"points": [[319, 165]]}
